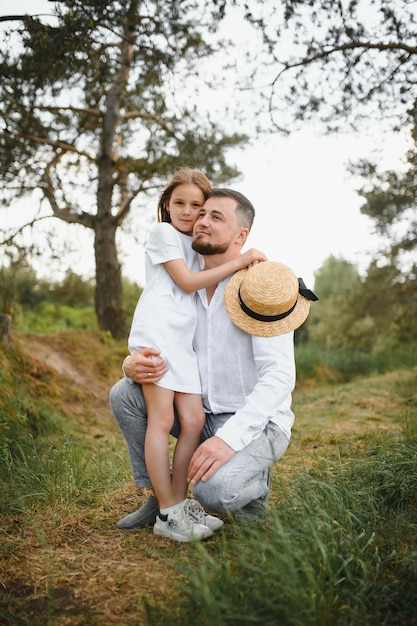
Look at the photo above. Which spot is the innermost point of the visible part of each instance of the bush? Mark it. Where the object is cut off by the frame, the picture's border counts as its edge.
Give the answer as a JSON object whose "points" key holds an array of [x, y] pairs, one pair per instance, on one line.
{"points": [[51, 317], [308, 357], [38, 305], [314, 363]]}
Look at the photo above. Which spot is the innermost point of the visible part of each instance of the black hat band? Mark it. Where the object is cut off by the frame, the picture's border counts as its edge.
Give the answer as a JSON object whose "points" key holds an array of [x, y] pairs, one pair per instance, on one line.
{"points": [[306, 293]]}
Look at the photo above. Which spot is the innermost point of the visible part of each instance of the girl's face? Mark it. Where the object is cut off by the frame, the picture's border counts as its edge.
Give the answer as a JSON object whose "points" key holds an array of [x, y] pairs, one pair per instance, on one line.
{"points": [[184, 207]]}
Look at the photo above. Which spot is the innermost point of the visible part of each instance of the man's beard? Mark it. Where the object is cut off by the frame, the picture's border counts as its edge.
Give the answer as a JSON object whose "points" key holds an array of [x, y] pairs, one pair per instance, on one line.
{"points": [[208, 249]]}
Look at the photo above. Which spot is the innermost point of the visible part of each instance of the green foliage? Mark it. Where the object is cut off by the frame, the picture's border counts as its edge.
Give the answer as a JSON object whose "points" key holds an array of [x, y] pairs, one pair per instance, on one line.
{"points": [[41, 306], [308, 357], [73, 291], [131, 295], [336, 278], [317, 364], [390, 201], [368, 315], [19, 283], [390, 197], [38, 305], [52, 317], [336, 283]]}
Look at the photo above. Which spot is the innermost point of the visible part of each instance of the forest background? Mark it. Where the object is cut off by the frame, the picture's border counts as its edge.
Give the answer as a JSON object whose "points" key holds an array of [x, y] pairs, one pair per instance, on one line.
{"points": [[94, 119], [134, 91]]}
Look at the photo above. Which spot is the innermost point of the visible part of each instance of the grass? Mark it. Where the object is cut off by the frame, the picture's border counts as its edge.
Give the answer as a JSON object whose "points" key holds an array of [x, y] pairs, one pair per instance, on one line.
{"points": [[339, 546], [324, 559]]}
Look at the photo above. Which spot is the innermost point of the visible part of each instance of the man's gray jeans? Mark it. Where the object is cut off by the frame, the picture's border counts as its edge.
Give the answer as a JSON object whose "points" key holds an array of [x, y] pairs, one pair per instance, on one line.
{"points": [[242, 479]]}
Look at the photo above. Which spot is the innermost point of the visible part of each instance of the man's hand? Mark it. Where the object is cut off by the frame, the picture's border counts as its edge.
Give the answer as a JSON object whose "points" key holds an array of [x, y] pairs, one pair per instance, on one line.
{"points": [[145, 366], [206, 460]]}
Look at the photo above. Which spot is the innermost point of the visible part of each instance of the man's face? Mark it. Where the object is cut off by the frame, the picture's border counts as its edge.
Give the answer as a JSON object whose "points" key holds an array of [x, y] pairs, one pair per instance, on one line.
{"points": [[216, 227]]}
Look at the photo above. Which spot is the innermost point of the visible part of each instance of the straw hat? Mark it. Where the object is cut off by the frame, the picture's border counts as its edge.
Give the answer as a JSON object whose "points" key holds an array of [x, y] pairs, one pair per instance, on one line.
{"points": [[267, 299]]}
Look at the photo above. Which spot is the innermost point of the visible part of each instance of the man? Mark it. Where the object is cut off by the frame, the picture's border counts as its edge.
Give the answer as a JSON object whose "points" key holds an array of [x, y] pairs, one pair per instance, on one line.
{"points": [[247, 382]]}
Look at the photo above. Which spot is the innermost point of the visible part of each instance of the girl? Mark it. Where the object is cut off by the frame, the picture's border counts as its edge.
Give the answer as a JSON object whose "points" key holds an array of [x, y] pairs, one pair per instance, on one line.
{"points": [[165, 319]]}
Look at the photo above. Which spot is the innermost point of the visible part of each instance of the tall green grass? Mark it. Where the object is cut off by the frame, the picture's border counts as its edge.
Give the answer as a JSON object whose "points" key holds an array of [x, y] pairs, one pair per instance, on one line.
{"points": [[42, 473], [339, 548]]}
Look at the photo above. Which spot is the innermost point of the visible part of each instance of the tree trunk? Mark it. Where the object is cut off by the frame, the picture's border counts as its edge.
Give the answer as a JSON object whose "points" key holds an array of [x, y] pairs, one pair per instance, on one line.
{"points": [[108, 294], [6, 328]]}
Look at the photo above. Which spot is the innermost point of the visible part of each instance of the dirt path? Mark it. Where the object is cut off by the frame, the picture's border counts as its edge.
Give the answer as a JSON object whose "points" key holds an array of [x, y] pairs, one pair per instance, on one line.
{"points": [[83, 370], [57, 361]]}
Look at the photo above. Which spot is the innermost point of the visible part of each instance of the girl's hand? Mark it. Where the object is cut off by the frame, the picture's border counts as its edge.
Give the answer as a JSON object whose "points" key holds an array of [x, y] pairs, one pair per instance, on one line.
{"points": [[251, 257]]}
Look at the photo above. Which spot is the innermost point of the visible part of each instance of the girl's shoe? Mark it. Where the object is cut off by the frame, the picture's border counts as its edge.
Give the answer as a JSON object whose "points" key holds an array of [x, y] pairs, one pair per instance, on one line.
{"points": [[179, 526], [199, 515]]}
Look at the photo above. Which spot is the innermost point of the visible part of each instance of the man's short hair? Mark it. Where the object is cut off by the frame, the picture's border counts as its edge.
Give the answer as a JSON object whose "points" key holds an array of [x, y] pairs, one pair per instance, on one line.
{"points": [[245, 210]]}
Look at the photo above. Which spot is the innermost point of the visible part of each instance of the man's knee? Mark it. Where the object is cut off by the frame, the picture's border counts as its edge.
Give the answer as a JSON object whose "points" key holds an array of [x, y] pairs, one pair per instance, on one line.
{"points": [[115, 395], [217, 495], [127, 398]]}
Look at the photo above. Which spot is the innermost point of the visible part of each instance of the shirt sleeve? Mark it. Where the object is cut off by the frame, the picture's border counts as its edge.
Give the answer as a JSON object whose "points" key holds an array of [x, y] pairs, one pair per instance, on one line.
{"points": [[163, 244], [272, 395]]}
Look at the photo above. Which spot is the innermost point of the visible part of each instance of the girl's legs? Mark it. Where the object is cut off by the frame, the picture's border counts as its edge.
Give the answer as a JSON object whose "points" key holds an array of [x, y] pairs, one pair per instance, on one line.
{"points": [[191, 417], [173, 520], [160, 409]]}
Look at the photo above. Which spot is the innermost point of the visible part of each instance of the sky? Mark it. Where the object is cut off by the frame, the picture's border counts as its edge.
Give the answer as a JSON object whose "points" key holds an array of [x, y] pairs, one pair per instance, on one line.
{"points": [[305, 200]]}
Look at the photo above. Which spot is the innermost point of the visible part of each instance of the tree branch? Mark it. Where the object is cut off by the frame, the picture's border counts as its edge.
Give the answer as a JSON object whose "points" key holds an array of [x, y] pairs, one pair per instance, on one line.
{"points": [[65, 147], [51, 109], [16, 18], [85, 219], [325, 53], [12, 18], [132, 115], [125, 206], [10, 238]]}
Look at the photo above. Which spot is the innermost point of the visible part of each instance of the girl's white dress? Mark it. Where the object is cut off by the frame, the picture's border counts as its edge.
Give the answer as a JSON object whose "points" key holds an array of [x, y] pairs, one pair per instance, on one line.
{"points": [[165, 316]]}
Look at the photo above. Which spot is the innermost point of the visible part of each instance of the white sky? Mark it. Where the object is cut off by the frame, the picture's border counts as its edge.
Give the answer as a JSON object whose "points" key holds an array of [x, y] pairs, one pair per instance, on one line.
{"points": [[305, 200], [307, 206]]}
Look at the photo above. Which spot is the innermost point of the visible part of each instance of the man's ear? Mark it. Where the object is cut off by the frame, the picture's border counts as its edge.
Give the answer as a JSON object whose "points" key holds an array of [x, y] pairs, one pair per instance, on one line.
{"points": [[243, 235]]}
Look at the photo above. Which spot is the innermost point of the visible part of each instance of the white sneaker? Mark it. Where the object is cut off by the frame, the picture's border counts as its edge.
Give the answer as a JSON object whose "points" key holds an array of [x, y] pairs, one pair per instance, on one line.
{"points": [[198, 514], [179, 526]]}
